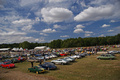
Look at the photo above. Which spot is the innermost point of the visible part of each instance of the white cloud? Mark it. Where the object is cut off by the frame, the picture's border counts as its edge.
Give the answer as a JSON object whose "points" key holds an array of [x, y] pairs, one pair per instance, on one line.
{"points": [[65, 36], [79, 26], [43, 34], [87, 35], [40, 40], [22, 21], [51, 1], [112, 21], [56, 14], [88, 32], [27, 28], [95, 13], [13, 33], [110, 30], [37, 19], [49, 30], [28, 2], [105, 25], [102, 35], [56, 26], [78, 31]]}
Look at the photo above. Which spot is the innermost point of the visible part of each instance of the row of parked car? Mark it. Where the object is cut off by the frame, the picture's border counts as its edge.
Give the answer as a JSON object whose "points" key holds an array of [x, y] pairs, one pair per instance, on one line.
{"points": [[9, 63], [52, 65], [109, 56]]}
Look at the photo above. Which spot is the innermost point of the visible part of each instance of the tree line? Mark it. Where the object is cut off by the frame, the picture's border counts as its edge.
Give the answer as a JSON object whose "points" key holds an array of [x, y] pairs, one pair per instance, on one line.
{"points": [[68, 43]]}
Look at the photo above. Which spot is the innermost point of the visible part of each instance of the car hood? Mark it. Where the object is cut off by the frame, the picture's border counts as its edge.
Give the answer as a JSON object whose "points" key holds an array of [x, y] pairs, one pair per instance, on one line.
{"points": [[11, 64]]}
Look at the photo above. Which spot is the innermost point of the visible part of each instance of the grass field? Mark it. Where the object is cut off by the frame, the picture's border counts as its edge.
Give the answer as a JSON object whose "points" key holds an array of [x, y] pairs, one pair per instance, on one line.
{"points": [[87, 68]]}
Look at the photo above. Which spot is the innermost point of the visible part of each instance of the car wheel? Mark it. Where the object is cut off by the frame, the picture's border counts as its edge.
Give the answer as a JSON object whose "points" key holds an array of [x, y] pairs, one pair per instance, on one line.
{"points": [[98, 58], [37, 72], [7, 67], [53, 62], [29, 71]]}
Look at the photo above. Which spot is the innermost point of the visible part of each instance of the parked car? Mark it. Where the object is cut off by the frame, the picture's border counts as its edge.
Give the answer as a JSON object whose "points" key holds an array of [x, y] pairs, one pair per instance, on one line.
{"points": [[70, 59], [53, 55], [1, 63], [60, 61], [36, 69], [47, 57], [40, 58], [77, 56], [7, 65], [48, 65], [37, 55], [63, 54], [82, 55], [7, 60], [21, 59], [106, 56], [113, 52], [14, 60]]}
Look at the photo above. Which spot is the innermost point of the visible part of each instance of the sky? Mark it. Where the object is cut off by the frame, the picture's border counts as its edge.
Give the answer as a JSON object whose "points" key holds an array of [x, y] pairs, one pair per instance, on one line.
{"points": [[47, 20]]}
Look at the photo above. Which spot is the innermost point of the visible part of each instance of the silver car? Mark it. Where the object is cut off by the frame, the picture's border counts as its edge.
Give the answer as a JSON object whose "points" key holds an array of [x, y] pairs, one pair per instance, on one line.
{"points": [[69, 59], [60, 61], [76, 56]]}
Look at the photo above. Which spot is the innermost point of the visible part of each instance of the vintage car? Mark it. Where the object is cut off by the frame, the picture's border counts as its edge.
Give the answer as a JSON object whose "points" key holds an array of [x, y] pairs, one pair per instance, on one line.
{"points": [[63, 54], [60, 61], [48, 66], [36, 69], [1, 63], [106, 56], [77, 56], [70, 59], [113, 52], [21, 59], [7, 60], [7, 65], [14, 60], [40, 58], [82, 54]]}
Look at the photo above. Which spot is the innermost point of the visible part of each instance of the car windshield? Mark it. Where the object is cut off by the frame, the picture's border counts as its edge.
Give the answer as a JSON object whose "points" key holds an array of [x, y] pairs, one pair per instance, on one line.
{"points": [[64, 59], [49, 63]]}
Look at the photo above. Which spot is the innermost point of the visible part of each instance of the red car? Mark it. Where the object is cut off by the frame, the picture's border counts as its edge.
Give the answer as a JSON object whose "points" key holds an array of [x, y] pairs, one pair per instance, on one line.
{"points": [[63, 54], [7, 65], [21, 59]]}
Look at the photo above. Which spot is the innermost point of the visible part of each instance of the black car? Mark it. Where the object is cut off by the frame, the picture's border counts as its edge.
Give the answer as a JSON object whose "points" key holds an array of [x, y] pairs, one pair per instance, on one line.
{"points": [[48, 66]]}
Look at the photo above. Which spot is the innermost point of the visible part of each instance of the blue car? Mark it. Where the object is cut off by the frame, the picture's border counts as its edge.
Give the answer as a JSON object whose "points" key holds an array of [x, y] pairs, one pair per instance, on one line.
{"points": [[48, 66]]}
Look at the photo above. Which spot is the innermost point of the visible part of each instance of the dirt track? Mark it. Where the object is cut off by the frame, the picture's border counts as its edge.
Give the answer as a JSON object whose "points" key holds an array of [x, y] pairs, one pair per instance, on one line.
{"points": [[17, 75]]}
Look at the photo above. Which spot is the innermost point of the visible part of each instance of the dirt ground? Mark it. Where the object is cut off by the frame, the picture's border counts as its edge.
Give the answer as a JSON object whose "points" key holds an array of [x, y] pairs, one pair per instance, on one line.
{"points": [[17, 75]]}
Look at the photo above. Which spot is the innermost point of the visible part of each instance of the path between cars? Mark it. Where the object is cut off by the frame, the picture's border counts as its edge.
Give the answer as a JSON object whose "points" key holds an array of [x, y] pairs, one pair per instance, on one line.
{"points": [[17, 75]]}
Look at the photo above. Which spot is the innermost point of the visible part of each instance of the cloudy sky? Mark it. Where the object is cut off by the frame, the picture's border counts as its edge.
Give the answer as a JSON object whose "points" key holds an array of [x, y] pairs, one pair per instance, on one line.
{"points": [[46, 20]]}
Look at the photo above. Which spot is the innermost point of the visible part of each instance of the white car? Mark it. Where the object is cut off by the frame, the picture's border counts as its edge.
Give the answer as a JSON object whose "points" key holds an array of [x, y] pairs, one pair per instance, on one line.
{"points": [[60, 61]]}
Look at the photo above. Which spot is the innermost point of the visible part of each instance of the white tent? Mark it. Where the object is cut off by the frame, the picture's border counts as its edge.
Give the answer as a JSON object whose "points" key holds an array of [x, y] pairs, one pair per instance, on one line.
{"points": [[4, 49], [40, 48]]}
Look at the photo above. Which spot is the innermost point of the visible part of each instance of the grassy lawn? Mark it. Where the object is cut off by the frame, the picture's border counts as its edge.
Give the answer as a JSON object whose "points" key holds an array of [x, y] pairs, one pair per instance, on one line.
{"points": [[88, 68]]}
